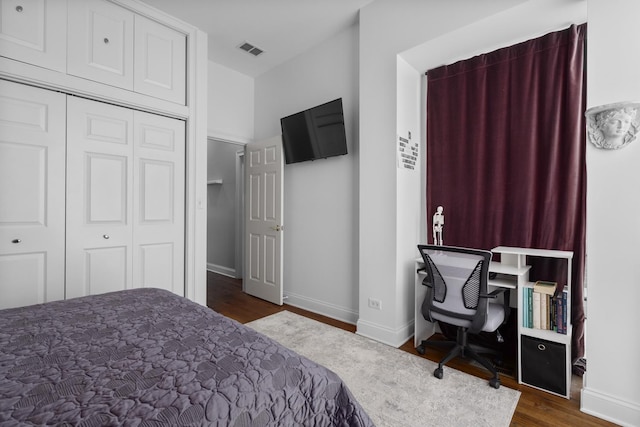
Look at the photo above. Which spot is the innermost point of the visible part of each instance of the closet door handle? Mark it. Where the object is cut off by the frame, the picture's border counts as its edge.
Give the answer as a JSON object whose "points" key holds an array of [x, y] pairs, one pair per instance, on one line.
{"points": [[16, 241], [105, 236]]}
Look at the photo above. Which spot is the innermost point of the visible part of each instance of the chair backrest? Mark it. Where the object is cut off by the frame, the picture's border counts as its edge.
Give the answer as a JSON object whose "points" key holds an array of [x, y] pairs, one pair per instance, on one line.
{"points": [[456, 278]]}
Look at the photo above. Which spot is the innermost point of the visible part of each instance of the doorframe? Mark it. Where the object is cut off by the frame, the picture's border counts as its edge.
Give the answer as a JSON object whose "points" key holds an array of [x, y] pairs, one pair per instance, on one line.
{"points": [[239, 257], [237, 270]]}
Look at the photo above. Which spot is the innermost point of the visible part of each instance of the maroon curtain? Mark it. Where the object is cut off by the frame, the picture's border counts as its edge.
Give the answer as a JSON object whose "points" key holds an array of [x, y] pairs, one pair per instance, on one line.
{"points": [[506, 152]]}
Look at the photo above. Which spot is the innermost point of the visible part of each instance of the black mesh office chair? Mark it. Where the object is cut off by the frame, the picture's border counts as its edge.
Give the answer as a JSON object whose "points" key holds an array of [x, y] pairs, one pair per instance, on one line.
{"points": [[457, 294]]}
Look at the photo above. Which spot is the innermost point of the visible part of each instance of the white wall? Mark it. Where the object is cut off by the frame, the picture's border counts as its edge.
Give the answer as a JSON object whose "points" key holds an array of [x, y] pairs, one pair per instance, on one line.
{"points": [[231, 104], [409, 205], [612, 382], [320, 197], [424, 40]]}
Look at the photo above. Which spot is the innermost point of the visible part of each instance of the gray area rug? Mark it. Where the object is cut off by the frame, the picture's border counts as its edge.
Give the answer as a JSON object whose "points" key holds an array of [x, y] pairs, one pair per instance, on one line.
{"points": [[396, 388]]}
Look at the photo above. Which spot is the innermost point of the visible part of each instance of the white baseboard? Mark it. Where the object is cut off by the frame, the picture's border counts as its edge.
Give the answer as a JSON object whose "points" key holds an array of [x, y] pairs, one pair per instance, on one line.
{"points": [[225, 271], [392, 337], [320, 307], [609, 408]]}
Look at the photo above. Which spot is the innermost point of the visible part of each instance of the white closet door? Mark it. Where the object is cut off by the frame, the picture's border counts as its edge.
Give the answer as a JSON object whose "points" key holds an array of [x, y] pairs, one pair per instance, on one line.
{"points": [[160, 61], [32, 191], [99, 197], [100, 42], [159, 158], [35, 31]]}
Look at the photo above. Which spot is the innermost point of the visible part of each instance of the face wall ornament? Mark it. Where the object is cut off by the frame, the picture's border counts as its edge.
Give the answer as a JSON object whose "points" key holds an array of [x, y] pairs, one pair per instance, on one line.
{"points": [[613, 126]]}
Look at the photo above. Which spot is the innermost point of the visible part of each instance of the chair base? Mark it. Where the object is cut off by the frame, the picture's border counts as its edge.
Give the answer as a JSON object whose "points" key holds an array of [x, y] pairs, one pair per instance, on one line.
{"points": [[461, 347]]}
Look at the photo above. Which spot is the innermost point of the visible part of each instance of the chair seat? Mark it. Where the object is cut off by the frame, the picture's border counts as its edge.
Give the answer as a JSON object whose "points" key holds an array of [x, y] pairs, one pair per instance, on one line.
{"points": [[495, 318]]}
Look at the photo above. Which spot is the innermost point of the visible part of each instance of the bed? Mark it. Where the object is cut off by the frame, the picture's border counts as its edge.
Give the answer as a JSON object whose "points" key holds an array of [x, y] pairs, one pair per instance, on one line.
{"points": [[146, 357]]}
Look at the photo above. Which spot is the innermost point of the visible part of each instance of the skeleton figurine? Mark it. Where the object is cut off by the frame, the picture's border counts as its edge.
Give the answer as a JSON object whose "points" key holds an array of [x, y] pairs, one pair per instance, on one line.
{"points": [[438, 225]]}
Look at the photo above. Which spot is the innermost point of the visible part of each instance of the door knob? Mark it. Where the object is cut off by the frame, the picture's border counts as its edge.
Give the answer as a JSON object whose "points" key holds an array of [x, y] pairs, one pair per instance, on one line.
{"points": [[106, 236], [278, 227], [16, 241]]}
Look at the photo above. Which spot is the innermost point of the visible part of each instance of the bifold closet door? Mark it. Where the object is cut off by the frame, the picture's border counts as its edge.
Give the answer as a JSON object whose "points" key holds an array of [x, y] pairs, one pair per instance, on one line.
{"points": [[125, 199], [32, 193], [99, 197], [159, 201]]}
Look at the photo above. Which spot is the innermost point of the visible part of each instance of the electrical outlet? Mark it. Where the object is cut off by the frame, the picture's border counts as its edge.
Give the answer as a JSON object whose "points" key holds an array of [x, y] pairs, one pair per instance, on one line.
{"points": [[376, 304]]}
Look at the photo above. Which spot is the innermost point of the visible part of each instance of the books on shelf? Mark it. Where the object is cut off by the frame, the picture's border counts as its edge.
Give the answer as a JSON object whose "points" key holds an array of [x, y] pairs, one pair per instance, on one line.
{"points": [[544, 287], [544, 310], [545, 307], [536, 310]]}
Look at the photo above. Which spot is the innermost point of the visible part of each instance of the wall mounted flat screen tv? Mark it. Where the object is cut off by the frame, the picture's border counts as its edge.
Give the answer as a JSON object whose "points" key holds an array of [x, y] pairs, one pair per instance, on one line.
{"points": [[316, 133]]}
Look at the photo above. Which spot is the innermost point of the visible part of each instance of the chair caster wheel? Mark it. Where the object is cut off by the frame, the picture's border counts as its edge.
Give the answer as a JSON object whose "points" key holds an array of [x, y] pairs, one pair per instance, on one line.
{"points": [[495, 383], [438, 373], [420, 349]]}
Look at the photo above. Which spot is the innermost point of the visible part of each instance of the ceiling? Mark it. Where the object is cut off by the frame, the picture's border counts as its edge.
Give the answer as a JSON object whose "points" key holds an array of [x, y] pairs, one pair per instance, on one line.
{"points": [[281, 28]]}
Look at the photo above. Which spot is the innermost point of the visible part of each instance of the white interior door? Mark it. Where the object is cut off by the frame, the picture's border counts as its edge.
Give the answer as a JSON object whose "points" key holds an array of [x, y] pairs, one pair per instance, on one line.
{"points": [[263, 219], [158, 194], [32, 193], [99, 197]]}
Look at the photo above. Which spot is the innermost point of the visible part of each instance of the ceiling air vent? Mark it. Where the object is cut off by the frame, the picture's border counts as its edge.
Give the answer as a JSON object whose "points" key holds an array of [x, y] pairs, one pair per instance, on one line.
{"points": [[249, 48]]}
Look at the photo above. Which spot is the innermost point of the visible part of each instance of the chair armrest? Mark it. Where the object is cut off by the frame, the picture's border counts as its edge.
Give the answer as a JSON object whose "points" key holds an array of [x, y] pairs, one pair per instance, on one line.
{"points": [[494, 294]]}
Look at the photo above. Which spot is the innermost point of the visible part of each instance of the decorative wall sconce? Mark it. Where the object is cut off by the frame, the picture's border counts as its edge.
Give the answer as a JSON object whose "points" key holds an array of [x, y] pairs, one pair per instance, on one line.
{"points": [[613, 126]]}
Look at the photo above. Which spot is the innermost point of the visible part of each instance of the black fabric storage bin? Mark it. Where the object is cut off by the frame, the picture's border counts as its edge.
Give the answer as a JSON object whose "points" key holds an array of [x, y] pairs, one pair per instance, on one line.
{"points": [[544, 364]]}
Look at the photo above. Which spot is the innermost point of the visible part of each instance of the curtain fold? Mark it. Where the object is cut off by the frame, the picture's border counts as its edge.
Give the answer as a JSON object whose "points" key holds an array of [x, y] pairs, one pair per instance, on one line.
{"points": [[506, 153]]}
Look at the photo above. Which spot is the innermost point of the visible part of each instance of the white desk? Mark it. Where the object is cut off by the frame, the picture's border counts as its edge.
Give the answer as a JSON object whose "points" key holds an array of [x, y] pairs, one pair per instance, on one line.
{"points": [[512, 272]]}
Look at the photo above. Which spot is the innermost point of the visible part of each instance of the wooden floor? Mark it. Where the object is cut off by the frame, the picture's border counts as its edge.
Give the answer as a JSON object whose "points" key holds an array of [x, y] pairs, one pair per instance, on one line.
{"points": [[535, 408]]}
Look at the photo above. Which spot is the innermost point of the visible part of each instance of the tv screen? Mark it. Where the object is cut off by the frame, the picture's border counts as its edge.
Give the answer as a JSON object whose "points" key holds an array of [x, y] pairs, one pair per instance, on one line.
{"points": [[316, 133]]}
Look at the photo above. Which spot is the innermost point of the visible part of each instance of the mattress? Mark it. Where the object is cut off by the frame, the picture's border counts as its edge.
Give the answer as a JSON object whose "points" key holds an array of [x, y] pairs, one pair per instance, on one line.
{"points": [[146, 357]]}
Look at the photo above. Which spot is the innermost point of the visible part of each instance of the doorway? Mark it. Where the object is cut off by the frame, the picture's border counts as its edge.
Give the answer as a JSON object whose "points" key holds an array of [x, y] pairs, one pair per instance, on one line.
{"points": [[225, 207]]}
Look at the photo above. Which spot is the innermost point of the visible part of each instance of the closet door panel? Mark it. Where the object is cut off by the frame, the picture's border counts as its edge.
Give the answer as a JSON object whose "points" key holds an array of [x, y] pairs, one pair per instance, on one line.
{"points": [[99, 197], [160, 61], [23, 279], [100, 42], [159, 202], [34, 31], [32, 193], [105, 269]]}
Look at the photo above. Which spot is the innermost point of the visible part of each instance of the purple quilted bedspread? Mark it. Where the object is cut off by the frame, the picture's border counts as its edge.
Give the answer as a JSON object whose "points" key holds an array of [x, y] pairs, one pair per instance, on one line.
{"points": [[146, 357]]}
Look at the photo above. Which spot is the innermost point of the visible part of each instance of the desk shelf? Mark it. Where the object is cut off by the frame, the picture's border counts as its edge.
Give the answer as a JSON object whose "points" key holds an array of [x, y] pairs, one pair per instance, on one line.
{"points": [[544, 356], [503, 282], [513, 270]]}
